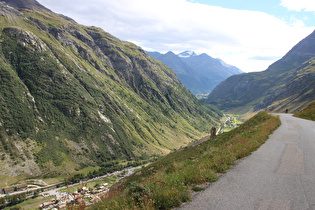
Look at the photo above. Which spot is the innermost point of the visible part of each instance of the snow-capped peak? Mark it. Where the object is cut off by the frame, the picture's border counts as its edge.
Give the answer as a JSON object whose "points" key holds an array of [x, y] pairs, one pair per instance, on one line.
{"points": [[187, 54]]}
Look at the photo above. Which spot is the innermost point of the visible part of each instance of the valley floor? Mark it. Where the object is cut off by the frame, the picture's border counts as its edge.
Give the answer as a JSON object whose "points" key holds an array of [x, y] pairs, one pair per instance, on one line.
{"points": [[84, 193]]}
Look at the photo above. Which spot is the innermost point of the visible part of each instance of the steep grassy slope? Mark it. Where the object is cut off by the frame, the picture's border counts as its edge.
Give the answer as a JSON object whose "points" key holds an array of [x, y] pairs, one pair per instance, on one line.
{"points": [[296, 93], [73, 96], [308, 112], [288, 83], [166, 183]]}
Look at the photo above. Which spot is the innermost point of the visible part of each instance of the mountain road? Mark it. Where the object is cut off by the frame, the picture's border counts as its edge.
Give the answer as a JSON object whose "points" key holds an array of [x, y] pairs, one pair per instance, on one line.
{"points": [[279, 175]]}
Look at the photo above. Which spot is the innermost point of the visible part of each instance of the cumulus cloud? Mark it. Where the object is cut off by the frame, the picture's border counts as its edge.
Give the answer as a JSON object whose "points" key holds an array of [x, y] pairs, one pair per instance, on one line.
{"points": [[307, 5], [235, 36]]}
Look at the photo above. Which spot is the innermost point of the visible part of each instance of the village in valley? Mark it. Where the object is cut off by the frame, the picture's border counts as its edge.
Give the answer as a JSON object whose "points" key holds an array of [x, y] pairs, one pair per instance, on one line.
{"points": [[52, 197], [82, 197], [60, 195]]}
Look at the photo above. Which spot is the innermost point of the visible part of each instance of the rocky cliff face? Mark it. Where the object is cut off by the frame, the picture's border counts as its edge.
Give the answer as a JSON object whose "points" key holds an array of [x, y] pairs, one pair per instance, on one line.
{"points": [[25, 4], [73, 96], [285, 84]]}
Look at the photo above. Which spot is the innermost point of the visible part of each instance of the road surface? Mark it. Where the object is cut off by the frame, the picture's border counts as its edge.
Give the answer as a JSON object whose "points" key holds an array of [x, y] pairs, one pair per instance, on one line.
{"points": [[279, 175]]}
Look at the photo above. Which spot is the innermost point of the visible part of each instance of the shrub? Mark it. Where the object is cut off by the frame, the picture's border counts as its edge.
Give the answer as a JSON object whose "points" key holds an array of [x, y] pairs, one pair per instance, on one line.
{"points": [[138, 193]]}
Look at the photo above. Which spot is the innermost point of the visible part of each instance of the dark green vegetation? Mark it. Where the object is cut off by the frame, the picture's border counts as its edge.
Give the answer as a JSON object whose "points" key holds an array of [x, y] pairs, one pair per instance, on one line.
{"points": [[73, 96], [199, 73], [166, 183], [308, 112], [288, 83]]}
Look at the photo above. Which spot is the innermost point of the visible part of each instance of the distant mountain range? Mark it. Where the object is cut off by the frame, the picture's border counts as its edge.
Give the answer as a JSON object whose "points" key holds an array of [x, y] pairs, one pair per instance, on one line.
{"points": [[73, 96], [199, 73], [287, 83]]}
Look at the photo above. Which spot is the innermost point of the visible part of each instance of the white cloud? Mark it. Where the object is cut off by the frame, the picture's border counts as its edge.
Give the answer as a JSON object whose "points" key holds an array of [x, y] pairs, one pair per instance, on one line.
{"points": [[235, 36], [296, 22], [299, 5]]}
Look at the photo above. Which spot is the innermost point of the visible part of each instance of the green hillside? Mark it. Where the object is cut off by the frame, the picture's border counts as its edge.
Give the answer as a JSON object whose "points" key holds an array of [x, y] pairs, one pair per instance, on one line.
{"points": [[167, 183], [288, 83], [308, 112], [73, 96]]}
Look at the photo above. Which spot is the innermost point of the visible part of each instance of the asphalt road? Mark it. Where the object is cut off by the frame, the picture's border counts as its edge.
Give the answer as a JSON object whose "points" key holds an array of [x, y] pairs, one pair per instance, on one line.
{"points": [[279, 175]]}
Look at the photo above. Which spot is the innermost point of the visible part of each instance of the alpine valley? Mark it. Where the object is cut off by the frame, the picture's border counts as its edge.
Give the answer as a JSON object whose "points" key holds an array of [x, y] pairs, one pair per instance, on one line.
{"points": [[288, 83], [73, 96], [199, 73]]}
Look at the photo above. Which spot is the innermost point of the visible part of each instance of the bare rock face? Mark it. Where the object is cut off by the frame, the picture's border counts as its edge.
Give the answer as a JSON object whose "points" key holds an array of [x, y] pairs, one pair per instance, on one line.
{"points": [[23, 163], [26, 38], [25, 4]]}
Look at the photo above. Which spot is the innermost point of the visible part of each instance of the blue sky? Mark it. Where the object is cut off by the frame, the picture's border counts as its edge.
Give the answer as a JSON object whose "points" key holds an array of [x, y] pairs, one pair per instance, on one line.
{"points": [[295, 10], [246, 33]]}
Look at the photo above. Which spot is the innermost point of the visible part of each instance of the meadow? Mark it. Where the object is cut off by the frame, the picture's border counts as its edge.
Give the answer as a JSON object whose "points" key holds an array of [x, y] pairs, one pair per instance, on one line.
{"points": [[168, 182]]}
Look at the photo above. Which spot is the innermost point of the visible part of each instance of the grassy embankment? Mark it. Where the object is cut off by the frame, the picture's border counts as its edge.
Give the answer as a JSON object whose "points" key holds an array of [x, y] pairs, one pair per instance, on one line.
{"points": [[308, 112], [167, 183]]}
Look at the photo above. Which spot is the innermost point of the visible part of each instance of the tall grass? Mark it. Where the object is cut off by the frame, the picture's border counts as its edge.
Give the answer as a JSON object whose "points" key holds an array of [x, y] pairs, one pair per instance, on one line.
{"points": [[167, 183], [308, 112]]}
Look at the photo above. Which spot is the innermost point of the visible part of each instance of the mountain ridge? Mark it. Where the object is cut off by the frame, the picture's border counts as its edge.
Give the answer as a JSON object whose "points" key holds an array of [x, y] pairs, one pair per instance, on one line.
{"points": [[25, 4], [287, 83], [73, 96], [199, 73], [186, 54]]}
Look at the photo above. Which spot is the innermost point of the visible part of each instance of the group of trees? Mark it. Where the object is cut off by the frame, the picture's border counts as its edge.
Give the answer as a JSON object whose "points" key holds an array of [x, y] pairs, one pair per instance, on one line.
{"points": [[92, 174], [12, 200], [106, 168]]}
